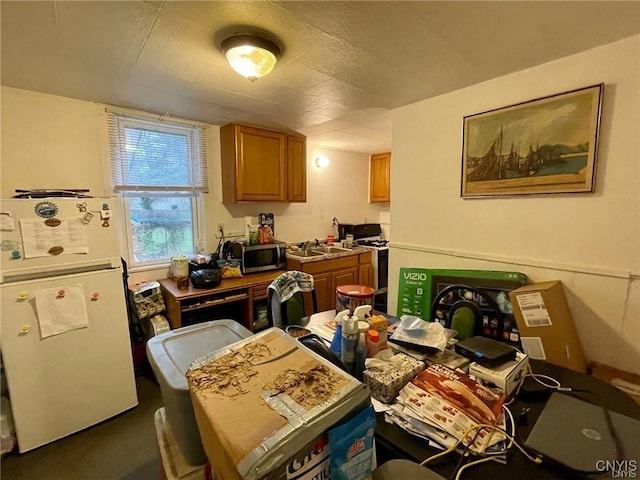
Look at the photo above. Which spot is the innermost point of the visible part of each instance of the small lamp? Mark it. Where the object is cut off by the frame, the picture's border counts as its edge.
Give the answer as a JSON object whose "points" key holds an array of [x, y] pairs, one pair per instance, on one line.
{"points": [[322, 161], [250, 55]]}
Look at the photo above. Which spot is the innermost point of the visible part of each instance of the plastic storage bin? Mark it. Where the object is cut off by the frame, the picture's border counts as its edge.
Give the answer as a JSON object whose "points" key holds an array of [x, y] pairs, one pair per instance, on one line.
{"points": [[174, 466], [170, 355]]}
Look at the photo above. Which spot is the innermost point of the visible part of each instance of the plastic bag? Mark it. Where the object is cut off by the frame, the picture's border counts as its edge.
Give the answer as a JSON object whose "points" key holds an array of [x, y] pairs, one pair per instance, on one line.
{"points": [[230, 268], [352, 447]]}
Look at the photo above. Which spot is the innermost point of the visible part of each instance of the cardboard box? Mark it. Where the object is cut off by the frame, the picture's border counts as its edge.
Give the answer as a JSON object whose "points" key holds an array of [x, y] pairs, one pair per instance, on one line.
{"points": [[546, 327], [418, 288], [385, 385], [263, 400], [505, 378]]}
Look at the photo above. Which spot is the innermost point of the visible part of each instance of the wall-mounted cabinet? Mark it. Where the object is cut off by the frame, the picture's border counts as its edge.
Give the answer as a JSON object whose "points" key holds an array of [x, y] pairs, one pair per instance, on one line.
{"points": [[380, 177], [262, 165], [296, 168]]}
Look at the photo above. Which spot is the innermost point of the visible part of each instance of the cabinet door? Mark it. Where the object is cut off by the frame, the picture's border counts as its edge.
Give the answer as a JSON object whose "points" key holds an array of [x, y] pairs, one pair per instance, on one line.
{"points": [[296, 168], [260, 164], [380, 173], [325, 294], [364, 274], [347, 276]]}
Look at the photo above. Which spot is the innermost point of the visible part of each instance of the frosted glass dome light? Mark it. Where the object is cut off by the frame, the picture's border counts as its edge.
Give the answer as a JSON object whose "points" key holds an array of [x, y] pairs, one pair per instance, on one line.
{"points": [[250, 55]]}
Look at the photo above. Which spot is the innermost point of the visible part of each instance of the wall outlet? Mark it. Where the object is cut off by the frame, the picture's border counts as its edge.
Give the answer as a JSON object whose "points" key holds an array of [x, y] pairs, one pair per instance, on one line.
{"points": [[219, 229]]}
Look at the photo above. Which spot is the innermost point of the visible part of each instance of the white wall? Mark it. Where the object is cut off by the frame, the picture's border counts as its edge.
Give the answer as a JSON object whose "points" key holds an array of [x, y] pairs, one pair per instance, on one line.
{"points": [[56, 142], [589, 241]]}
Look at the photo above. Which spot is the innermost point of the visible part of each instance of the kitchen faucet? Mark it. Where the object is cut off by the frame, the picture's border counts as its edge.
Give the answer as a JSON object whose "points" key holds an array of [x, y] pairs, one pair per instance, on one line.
{"points": [[307, 245]]}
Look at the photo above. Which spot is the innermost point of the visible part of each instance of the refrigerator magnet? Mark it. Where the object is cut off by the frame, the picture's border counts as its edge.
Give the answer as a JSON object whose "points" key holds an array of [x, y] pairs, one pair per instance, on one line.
{"points": [[57, 250], [87, 218], [46, 209], [52, 222]]}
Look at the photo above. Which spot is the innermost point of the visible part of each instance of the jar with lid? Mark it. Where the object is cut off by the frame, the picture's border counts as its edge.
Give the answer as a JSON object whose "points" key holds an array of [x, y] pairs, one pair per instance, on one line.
{"points": [[349, 297]]}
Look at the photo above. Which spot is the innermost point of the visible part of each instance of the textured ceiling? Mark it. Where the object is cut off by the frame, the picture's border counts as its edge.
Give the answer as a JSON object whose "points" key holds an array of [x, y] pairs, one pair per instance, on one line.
{"points": [[344, 65]]}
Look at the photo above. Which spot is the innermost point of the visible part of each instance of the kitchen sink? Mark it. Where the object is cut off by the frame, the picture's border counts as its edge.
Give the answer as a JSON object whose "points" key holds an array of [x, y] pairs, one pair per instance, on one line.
{"points": [[331, 249], [304, 253]]}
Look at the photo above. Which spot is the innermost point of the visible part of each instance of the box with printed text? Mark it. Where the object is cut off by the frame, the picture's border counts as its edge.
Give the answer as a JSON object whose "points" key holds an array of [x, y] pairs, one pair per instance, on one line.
{"points": [[385, 384], [262, 405], [545, 323]]}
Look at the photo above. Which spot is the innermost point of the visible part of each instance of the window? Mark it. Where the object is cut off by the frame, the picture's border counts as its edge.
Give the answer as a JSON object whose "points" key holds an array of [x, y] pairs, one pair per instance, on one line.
{"points": [[159, 167]]}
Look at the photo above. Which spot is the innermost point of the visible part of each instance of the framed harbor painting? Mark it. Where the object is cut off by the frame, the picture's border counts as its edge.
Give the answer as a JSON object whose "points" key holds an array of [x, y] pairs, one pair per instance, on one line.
{"points": [[546, 145]]}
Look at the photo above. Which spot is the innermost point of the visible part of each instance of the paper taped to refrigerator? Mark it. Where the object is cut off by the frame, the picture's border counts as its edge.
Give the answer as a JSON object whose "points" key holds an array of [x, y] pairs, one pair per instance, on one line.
{"points": [[7, 224], [61, 309], [38, 238]]}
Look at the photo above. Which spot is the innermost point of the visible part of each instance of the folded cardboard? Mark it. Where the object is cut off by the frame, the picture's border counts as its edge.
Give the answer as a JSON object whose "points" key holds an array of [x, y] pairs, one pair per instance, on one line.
{"points": [[261, 400], [547, 330]]}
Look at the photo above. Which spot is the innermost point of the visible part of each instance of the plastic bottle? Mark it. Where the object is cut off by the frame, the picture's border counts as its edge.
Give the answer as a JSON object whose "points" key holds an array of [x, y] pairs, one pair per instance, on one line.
{"points": [[349, 342], [336, 342], [373, 343], [361, 350]]}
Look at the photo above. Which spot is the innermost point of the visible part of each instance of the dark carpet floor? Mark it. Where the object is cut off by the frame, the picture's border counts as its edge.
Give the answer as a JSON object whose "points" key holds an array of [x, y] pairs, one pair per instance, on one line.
{"points": [[122, 448]]}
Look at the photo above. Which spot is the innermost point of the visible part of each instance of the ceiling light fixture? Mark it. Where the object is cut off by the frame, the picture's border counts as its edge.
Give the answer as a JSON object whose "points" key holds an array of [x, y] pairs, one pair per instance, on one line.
{"points": [[250, 55], [322, 161]]}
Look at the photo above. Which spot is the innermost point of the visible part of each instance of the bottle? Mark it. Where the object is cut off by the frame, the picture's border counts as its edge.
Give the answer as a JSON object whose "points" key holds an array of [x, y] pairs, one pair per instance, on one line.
{"points": [[336, 342], [349, 342], [361, 350], [373, 343]]}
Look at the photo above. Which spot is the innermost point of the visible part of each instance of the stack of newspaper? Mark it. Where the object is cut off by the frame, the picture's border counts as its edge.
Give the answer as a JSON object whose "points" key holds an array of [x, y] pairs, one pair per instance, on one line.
{"points": [[444, 405]]}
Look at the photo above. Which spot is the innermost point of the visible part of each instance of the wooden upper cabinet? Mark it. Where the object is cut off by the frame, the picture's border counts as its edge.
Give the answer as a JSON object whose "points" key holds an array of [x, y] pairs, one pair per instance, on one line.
{"points": [[296, 168], [379, 177], [254, 164], [262, 165]]}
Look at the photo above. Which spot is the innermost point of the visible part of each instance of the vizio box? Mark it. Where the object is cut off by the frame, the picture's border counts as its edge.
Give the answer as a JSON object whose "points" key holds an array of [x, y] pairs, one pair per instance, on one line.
{"points": [[546, 327], [265, 401]]}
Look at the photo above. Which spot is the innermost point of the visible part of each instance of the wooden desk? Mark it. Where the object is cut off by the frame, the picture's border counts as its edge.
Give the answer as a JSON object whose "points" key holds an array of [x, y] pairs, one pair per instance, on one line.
{"points": [[234, 298]]}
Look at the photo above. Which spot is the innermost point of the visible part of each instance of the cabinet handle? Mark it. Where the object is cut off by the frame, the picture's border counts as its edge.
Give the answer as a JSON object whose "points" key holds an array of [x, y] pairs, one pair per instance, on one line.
{"points": [[25, 329], [23, 295]]}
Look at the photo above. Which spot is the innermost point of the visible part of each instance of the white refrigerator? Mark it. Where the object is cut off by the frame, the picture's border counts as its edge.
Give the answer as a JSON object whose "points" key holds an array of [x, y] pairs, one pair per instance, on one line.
{"points": [[64, 333]]}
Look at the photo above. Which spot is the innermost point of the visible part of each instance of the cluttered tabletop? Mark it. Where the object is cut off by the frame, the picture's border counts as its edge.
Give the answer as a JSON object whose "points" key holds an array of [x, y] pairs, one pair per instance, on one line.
{"points": [[472, 406], [470, 410]]}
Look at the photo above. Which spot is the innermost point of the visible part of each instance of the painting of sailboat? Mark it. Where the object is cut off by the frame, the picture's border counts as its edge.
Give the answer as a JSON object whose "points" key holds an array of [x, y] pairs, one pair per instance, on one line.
{"points": [[546, 145]]}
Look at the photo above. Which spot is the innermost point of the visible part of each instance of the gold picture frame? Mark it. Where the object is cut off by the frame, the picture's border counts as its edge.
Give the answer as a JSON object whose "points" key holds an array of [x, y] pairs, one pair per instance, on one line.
{"points": [[546, 145]]}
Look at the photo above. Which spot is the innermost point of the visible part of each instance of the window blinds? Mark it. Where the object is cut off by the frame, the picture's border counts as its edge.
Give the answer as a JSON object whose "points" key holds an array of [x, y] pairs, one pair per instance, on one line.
{"points": [[156, 155]]}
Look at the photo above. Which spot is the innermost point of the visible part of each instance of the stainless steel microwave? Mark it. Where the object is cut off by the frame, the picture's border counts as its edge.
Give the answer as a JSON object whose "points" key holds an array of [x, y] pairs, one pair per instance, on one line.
{"points": [[260, 258]]}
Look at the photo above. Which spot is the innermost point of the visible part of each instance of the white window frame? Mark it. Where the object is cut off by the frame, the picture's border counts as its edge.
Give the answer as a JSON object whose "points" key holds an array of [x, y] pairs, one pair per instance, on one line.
{"points": [[118, 121]]}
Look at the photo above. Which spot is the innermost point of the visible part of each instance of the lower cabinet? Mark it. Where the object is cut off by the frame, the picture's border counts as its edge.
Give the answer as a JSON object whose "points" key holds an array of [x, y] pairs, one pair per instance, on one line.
{"points": [[365, 269], [330, 273]]}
